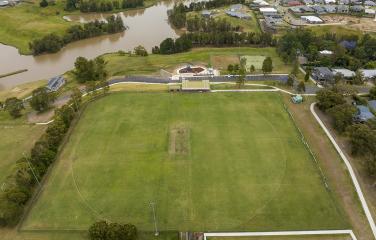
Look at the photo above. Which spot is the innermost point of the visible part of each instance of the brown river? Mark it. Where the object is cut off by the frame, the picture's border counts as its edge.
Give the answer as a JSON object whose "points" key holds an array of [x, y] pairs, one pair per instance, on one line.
{"points": [[147, 27]]}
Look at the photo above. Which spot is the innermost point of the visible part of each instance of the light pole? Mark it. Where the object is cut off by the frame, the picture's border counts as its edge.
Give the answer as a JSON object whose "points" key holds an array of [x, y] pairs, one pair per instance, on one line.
{"points": [[152, 205], [31, 168]]}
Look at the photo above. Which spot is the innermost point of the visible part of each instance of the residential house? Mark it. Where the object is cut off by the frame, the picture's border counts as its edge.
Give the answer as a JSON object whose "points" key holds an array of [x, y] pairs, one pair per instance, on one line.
{"points": [[348, 44], [363, 114], [369, 3], [4, 3], [346, 73], [372, 105], [370, 11], [330, 8], [343, 2], [342, 9], [368, 74], [356, 9], [308, 2], [312, 19], [322, 74], [318, 9]]}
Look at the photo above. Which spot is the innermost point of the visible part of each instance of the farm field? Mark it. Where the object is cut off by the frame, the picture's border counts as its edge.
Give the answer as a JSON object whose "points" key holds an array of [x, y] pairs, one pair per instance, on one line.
{"points": [[130, 149]]}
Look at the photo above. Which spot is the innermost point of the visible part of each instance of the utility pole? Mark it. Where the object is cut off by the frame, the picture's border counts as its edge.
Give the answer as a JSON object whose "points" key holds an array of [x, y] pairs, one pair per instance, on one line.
{"points": [[31, 168], [152, 204]]}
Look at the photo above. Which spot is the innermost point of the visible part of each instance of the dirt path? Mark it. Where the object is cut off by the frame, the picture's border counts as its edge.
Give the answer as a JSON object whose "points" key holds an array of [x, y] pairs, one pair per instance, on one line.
{"points": [[333, 167]]}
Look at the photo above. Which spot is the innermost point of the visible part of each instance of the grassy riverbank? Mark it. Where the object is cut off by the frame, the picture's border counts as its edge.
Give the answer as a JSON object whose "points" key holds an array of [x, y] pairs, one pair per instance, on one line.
{"points": [[28, 21]]}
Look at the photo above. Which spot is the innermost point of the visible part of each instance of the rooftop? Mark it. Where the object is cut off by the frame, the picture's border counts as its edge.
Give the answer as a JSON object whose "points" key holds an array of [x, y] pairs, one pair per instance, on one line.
{"points": [[345, 72]]}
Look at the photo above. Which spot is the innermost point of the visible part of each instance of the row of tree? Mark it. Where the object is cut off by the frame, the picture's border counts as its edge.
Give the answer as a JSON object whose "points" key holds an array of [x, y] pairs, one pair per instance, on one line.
{"points": [[102, 6], [29, 170], [219, 39], [103, 230], [200, 24], [362, 136], [52, 43], [90, 70]]}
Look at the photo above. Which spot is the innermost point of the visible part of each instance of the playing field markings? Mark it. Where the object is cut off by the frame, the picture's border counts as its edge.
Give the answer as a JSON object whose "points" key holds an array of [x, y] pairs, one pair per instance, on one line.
{"points": [[179, 141]]}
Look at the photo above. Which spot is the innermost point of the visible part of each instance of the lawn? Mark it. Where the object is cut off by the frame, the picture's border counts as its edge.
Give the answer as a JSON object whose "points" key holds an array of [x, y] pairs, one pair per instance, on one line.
{"points": [[119, 65], [256, 61], [210, 162]]}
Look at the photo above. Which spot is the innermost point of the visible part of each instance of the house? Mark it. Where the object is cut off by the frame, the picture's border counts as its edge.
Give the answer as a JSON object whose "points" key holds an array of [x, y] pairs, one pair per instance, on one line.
{"points": [[238, 15], [296, 10], [330, 8], [363, 114], [368, 74], [326, 52], [4, 3], [322, 74], [307, 9], [236, 7], [206, 13], [370, 11], [318, 9], [348, 44], [318, 1], [369, 3], [330, 1], [308, 2], [312, 19], [55, 83], [294, 3], [343, 2], [261, 3], [356, 9], [268, 11], [372, 105], [342, 9], [346, 73]]}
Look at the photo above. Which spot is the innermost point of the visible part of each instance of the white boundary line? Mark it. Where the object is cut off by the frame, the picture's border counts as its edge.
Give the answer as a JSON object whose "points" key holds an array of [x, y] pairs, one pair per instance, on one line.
{"points": [[350, 169], [281, 233]]}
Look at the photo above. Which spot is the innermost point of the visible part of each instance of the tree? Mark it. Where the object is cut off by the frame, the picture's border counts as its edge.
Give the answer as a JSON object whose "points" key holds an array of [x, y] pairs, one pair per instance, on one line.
{"points": [[307, 75], [267, 65], [230, 68], [338, 78], [358, 78], [43, 3], [327, 98], [252, 69], [342, 116], [372, 93], [41, 99], [9, 213], [98, 231], [14, 106], [241, 77], [295, 68], [140, 51], [290, 81], [301, 87], [76, 98]]}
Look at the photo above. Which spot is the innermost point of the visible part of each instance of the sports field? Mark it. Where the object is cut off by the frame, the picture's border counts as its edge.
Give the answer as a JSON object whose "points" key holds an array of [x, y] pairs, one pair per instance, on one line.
{"points": [[209, 162], [256, 61]]}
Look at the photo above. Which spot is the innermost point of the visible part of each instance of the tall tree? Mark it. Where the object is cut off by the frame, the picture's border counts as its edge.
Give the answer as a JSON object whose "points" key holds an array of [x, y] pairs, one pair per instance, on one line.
{"points": [[41, 99], [267, 65], [14, 106]]}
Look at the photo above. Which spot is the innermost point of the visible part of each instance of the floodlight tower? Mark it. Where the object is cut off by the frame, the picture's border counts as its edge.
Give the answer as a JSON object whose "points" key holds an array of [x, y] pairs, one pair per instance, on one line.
{"points": [[152, 205]]}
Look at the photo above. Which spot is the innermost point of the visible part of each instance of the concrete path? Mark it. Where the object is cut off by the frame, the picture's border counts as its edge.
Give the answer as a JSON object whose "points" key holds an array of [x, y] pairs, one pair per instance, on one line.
{"points": [[281, 233], [350, 169]]}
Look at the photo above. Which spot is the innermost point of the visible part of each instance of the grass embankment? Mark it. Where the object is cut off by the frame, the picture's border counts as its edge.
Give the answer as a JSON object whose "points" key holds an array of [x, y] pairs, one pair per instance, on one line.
{"points": [[28, 21], [154, 147], [219, 58], [17, 137], [22, 90]]}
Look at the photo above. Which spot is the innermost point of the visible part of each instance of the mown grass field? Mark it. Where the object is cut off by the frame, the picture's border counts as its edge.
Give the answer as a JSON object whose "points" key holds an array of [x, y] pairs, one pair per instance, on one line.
{"points": [[237, 164], [217, 57]]}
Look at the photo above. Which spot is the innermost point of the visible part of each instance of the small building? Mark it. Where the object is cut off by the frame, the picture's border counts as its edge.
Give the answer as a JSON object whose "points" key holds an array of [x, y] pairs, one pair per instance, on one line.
{"points": [[343, 2], [55, 83], [238, 15], [297, 99], [294, 3], [261, 3], [319, 1], [296, 10], [308, 2], [195, 85], [363, 114], [346, 73], [206, 13], [326, 52], [368, 74], [307, 9], [372, 105], [322, 74], [312, 19]]}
